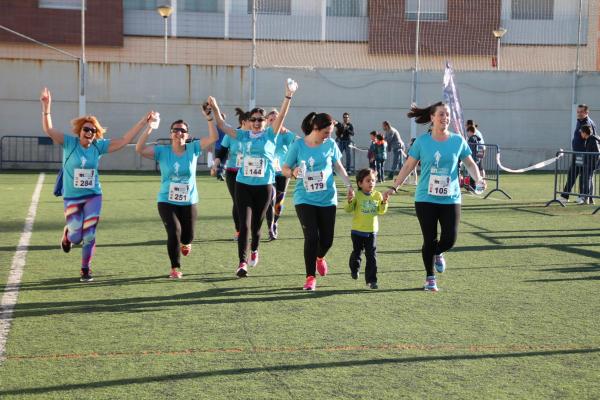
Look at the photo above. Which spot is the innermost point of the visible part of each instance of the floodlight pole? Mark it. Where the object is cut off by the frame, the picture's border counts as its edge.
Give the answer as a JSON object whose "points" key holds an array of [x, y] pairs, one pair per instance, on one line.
{"points": [[415, 77], [498, 33], [164, 11], [252, 101], [576, 73], [82, 64]]}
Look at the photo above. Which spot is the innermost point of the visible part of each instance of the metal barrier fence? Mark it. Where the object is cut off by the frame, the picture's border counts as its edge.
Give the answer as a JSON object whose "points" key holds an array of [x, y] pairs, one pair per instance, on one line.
{"points": [[29, 150], [490, 167], [576, 173]]}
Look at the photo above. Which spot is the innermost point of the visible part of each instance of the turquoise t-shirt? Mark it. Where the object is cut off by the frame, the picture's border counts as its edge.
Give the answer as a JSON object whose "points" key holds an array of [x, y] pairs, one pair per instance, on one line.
{"points": [[234, 157], [257, 161], [317, 188], [80, 167], [438, 182], [282, 145], [178, 174]]}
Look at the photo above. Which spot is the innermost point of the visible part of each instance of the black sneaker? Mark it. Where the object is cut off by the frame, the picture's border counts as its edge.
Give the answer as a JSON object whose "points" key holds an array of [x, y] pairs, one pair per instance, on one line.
{"points": [[372, 285], [86, 276], [354, 274], [65, 244]]}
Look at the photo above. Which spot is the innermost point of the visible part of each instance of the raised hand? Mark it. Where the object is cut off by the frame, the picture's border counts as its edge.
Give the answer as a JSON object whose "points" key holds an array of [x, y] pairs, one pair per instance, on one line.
{"points": [[46, 99]]}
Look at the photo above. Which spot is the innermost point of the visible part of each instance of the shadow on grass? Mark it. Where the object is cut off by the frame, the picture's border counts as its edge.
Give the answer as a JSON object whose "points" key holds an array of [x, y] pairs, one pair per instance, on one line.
{"points": [[207, 297], [287, 368]]}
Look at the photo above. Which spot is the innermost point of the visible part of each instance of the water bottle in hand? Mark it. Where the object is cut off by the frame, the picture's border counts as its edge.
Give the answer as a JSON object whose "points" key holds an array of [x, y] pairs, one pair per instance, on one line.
{"points": [[301, 170], [292, 84], [480, 187], [155, 121]]}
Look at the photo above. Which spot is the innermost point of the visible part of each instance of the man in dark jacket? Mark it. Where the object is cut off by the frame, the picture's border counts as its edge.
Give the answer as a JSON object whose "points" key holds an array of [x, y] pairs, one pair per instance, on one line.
{"points": [[344, 133], [577, 144], [590, 162]]}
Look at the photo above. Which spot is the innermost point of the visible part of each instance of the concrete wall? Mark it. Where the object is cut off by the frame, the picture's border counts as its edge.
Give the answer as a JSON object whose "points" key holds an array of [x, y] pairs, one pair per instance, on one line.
{"points": [[527, 114]]}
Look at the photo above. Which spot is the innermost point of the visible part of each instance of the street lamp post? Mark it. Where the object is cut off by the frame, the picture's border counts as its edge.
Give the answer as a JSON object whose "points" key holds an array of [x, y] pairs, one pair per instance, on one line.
{"points": [[498, 33], [164, 11]]}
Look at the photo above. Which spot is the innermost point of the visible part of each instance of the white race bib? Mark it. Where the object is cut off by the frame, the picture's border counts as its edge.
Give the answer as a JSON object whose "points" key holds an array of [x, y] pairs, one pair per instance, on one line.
{"points": [[238, 159], [439, 185], [179, 192], [314, 181], [84, 178], [254, 167]]}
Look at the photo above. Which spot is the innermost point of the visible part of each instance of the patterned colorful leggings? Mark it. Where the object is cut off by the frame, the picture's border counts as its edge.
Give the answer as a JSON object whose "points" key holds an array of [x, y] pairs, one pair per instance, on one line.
{"points": [[82, 217]]}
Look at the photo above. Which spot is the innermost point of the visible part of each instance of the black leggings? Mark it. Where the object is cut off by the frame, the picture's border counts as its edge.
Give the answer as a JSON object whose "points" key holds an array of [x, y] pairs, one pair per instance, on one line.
{"points": [[252, 203], [179, 222], [429, 214], [318, 225], [230, 176], [276, 206]]}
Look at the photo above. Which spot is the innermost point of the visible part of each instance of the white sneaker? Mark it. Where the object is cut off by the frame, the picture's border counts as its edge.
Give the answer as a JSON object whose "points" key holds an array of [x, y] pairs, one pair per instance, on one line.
{"points": [[580, 200], [562, 200]]}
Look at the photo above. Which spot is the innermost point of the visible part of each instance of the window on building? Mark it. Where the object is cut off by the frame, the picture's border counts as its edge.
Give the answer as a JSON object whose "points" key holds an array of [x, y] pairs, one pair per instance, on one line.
{"points": [[142, 4], [431, 10], [271, 7], [62, 4], [346, 8], [198, 6], [532, 9]]}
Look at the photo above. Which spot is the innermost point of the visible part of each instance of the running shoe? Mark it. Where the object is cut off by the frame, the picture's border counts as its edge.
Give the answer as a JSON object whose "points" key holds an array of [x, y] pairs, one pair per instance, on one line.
{"points": [[186, 249], [311, 283], [86, 276], [242, 270], [274, 230], [562, 200], [372, 285], [440, 263], [272, 235], [253, 259], [175, 274], [321, 266], [354, 273], [580, 200], [65, 244], [430, 284]]}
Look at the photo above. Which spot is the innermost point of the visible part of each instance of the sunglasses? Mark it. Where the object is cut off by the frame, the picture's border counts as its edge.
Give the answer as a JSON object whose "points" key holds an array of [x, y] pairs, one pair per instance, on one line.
{"points": [[182, 130], [259, 119], [88, 129]]}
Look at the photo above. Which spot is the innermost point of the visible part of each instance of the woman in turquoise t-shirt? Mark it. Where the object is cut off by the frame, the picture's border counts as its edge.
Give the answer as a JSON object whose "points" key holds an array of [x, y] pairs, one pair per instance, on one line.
{"points": [[283, 143], [178, 196], [312, 160], [81, 186], [255, 178], [231, 154], [437, 198]]}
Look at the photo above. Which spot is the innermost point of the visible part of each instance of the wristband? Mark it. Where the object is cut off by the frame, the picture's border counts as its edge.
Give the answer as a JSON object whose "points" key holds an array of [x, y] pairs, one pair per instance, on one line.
{"points": [[395, 189], [210, 119], [288, 97], [45, 113]]}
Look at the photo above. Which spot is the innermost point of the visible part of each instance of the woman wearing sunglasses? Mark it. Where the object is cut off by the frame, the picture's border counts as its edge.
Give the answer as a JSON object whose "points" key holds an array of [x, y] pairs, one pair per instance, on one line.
{"points": [[255, 178], [81, 186], [178, 196], [231, 154]]}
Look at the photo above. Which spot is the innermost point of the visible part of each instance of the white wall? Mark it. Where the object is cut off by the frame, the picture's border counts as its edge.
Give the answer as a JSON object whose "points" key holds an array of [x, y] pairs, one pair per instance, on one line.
{"points": [[527, 114]]}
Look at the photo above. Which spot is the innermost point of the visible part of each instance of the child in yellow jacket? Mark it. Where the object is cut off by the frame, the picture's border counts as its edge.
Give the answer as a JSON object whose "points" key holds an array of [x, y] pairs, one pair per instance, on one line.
{"points": [[366, 206]]}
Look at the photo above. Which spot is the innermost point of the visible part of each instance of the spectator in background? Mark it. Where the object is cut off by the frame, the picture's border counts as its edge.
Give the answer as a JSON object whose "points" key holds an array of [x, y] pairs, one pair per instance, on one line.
{"points": [[395, 147], [380, 157], [590, 163], [344, 133], [577, 144], [371, 152], [478, 133], [478, 151]]}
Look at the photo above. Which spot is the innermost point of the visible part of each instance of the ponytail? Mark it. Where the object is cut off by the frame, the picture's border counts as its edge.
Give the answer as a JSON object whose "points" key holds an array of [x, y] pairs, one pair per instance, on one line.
{"points": [[316, 121], [423, 115]]}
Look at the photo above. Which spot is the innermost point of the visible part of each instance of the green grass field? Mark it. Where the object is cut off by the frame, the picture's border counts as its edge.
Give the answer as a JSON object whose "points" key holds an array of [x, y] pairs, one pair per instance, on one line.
{"points": [[516, 316]]}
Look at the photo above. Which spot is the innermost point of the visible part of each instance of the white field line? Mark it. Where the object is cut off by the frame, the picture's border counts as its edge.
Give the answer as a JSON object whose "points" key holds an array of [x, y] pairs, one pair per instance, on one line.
{"points": [[11, 291]]}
